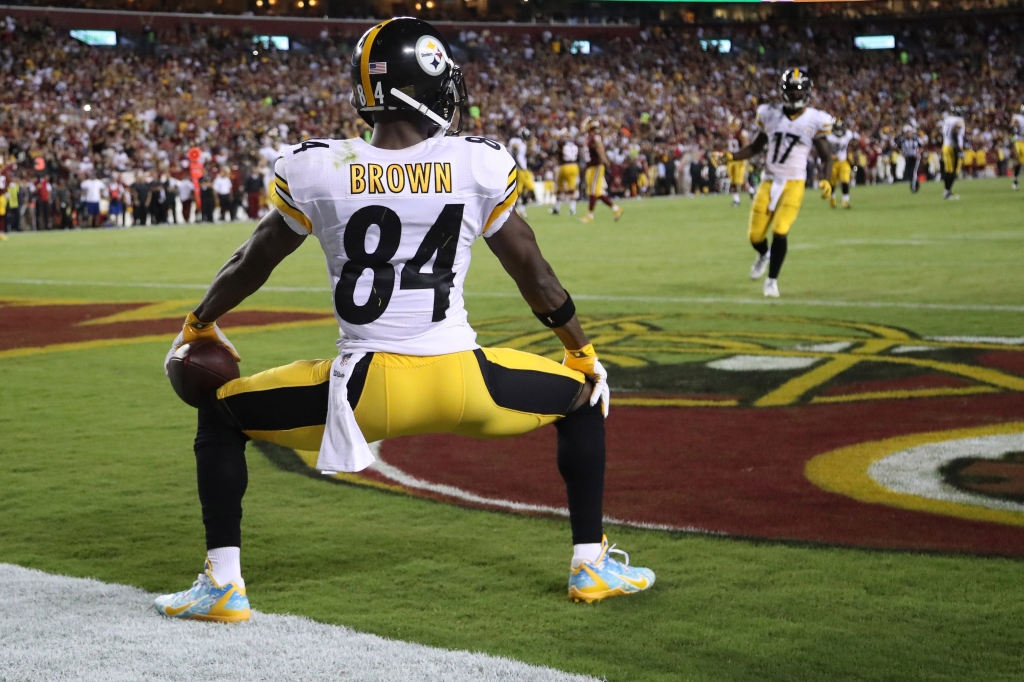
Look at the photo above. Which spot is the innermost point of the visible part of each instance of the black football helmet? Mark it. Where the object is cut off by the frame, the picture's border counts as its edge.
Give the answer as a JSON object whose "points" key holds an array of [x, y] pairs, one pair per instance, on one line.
{"points": [[839, 127], [405, 63], [796, 88]]}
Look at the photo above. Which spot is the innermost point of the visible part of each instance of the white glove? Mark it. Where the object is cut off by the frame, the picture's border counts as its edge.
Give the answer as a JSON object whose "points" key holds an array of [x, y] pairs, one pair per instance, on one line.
{"points": [[193, 330], [585, 360], [601, 391]]}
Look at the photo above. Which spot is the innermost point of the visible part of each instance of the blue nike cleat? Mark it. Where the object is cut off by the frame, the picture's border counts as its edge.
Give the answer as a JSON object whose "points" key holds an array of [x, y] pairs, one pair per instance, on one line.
{"points": [[607, 577], [206, 600]]}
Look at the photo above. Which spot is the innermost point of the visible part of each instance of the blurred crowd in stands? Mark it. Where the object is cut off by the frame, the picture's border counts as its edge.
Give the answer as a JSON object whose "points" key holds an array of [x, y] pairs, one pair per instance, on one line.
{"points": [[95, 136]]}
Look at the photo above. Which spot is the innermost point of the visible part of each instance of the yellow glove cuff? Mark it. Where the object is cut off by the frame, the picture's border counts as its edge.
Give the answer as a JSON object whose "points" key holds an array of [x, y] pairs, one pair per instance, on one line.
{"points": [[728, 156], [192, 321], [194, 329], [581, 360]]}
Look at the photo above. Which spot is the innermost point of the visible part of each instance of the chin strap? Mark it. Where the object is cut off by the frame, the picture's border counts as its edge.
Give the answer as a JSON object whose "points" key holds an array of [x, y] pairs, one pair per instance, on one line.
{"points": [[422, 108]]}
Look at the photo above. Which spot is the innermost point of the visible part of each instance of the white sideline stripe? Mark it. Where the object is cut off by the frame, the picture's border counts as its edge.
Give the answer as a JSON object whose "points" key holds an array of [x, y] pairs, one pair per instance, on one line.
{"points": [[59, 628], [909, 305], [398, 476]]}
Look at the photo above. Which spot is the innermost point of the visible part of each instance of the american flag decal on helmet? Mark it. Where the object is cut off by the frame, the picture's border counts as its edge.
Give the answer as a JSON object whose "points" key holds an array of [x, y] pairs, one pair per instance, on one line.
{"points": [[378, 68]]}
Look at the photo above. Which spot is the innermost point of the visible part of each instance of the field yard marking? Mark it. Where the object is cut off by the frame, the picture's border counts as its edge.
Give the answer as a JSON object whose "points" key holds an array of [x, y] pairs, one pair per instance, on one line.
{"points": [[675, 402], [57, 627], [846, 471], [909, 305]]}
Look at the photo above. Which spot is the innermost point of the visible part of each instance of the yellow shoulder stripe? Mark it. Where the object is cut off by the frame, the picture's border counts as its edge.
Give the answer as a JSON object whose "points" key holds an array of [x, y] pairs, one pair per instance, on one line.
{"points": [[289, 211], [509, 201], [364, 63]]}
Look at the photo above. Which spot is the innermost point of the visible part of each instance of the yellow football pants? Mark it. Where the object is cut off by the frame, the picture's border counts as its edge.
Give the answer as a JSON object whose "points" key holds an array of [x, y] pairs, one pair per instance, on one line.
{"points": [[595, 181], [524, 179], [951, 163], [568, 179], [840, 173], [486, 393], [1018, 148], [784, 215], [737, 172]]}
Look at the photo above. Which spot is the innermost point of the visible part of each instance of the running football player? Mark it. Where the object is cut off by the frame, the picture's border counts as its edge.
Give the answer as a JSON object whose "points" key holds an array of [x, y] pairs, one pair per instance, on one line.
{"points": [[953, 129], [517, 147], [787, 134], [738, 139], [841, 140], [567, 182], [1017, 128], [597, 164], [396, 218]]}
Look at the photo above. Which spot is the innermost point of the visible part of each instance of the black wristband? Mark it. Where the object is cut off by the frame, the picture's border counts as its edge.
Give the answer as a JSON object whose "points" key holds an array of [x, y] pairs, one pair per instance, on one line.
{"points": [[559, 316]]}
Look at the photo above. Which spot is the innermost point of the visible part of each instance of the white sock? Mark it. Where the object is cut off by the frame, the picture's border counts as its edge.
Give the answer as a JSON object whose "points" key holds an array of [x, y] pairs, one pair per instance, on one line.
{"points": [[736, 197], [558, 206], [846, 198], [586, 552], [615, 207], [227, 565], [572, 206]]}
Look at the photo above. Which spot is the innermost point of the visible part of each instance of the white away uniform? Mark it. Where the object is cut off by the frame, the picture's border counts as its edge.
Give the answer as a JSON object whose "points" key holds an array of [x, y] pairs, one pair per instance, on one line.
{"points": [[383, 215]]}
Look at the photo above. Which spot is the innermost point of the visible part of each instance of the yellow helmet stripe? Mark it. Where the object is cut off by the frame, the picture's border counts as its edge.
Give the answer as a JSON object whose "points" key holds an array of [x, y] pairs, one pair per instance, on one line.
{"points": [[364, 63], [796, 72]]}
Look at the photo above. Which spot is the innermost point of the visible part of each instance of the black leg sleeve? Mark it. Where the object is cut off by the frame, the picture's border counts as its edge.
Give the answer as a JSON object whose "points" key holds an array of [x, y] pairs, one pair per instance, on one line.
{"points": [[581, 459], [222, 476], [778, 255]]}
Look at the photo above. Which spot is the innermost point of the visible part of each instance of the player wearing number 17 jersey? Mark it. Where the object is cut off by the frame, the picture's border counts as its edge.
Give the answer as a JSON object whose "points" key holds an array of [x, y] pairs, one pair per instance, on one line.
{"points": [[396, 219], [787, 134]]}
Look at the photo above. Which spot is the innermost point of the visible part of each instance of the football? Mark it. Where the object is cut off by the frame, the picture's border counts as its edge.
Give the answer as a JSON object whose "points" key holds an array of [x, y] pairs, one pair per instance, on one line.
{"points": [[198, 369]]}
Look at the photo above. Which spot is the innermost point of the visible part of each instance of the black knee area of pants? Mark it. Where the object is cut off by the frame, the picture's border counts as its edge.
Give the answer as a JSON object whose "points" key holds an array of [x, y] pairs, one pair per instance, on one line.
{"points": [[761, 247], [779, 246], [581, 461], [845, 187], [222, 475]]}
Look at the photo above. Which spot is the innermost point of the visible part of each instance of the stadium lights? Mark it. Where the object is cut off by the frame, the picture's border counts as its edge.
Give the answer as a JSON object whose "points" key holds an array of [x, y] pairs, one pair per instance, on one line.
{"points": [[259, 3], [419, 6], [300, 4], [430, 4]]}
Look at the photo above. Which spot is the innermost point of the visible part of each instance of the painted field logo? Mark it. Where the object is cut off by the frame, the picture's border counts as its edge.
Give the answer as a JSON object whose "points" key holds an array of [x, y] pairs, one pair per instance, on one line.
{"points": [[32, 326], [725, 423], [789, 428]]}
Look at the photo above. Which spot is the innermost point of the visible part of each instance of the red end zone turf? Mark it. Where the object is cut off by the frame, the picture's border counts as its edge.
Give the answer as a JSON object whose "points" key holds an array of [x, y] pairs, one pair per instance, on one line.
{"points": [[734, 471]]}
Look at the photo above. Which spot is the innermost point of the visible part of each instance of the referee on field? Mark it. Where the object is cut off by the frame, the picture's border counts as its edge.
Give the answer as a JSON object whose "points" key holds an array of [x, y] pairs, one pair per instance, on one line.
{"points": [[910, 147]]}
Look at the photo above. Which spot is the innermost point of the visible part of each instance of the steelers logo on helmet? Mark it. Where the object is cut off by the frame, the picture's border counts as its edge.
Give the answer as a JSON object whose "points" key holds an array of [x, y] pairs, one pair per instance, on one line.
{"points": [[431, 55]]}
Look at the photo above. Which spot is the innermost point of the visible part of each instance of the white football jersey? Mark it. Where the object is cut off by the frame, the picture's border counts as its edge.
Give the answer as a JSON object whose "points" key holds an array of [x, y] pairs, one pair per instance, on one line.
{"points": [[841, 144], [517, 148], [570, 152], [1018, 127], [396, 227], [790, 140], [953, 129]]}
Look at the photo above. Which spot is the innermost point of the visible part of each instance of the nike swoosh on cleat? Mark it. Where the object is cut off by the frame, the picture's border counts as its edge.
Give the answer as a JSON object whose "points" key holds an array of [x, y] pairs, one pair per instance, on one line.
{"points": [[641, 584], [176, 610]]}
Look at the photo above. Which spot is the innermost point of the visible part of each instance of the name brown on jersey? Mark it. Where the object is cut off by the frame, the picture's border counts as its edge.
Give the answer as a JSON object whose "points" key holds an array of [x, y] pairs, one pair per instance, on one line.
{"points": [[419, 178]]}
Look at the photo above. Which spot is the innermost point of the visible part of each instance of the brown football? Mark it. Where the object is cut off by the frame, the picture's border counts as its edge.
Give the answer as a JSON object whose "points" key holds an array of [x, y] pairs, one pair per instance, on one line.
{"points": [[196, 370]]}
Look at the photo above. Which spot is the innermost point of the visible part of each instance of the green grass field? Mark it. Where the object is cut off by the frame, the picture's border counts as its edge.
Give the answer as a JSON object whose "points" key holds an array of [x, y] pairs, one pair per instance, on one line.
{"points": [[97, 475]]}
